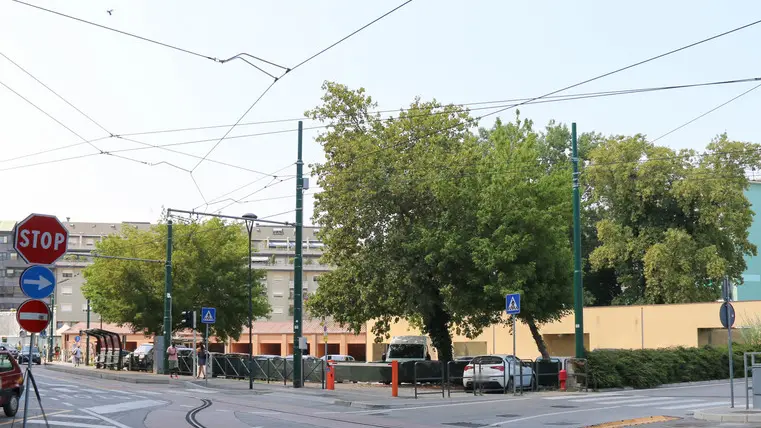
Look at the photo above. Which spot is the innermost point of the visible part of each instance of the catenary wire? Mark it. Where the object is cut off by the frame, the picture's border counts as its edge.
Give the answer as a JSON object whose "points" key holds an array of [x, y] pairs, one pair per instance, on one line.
{"points": [[351, 34], [145, 39], [218, 198], [272, 183], [707, 113]]}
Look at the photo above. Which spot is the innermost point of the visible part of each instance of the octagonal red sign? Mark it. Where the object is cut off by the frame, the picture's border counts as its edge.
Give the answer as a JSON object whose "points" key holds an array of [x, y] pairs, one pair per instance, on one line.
{"points": [[41, 239], [33, 315]]}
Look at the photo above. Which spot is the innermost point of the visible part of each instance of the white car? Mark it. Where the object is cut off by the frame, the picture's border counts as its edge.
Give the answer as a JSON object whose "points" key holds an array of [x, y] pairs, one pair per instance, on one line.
{"points": [[497, 372]]}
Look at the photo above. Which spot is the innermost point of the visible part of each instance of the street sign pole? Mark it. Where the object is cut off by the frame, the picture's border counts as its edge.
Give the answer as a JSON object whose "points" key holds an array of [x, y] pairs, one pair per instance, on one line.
{"points": [[195, 354], [513, 308], [28, 392], [515, 354], [729, 317]]}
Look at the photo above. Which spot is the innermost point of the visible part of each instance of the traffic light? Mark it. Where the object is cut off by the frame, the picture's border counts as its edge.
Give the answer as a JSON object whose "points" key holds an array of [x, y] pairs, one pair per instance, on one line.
{"points": [[188, 319]]}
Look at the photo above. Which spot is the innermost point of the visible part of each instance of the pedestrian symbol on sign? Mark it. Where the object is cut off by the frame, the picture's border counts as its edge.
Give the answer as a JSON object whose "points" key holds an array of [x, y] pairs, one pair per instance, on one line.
{"points": [[513, 304], [208, 315]]}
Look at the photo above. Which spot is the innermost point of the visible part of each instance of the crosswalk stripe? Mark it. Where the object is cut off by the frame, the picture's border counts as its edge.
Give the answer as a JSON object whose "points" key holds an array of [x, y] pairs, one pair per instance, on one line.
{"points": [[590, 400], [674, 402], [635, 400], [66, 424], [70, 416], [573, 396], [701, 405]]}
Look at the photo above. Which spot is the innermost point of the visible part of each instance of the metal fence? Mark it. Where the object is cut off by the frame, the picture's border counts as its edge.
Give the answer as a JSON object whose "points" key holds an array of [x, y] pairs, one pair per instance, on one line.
{"points": [[437, 377], [268, 369]]}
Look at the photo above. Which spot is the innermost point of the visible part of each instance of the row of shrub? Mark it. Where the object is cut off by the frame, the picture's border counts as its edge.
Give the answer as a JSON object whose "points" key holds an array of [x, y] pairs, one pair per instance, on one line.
{"points": [[648, 368]]}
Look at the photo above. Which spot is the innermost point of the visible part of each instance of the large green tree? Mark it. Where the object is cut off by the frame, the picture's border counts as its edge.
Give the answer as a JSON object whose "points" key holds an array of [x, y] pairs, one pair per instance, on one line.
{"points": [[209, 269], [417, 222], [671, 223]]}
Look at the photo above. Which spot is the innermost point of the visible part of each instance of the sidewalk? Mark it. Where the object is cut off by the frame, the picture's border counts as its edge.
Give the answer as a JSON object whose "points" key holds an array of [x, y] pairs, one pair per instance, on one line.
{"points": [[120, 376], [726, 414]]}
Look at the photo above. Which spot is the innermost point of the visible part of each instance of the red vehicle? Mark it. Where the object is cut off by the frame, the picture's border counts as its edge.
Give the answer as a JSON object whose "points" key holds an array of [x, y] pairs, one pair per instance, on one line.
{"points": [[12, 381]]}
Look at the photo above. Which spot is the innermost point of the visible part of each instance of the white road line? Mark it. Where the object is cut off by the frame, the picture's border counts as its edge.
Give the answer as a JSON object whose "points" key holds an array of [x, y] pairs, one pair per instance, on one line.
{"points": [[674, 402], [398, 409], [573, 396], [68, 404], [591, 400], [105, 419], [692, 406], [225, 410], [205, 391], [526, 418], [71, 416], [122, 407], [664, 400], [66, 424], [151, 392], [53, 398], [188, 406]]}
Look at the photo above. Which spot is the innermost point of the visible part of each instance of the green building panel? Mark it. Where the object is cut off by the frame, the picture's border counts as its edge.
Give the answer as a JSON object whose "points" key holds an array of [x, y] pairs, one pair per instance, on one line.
{"points": [[751, 288]]}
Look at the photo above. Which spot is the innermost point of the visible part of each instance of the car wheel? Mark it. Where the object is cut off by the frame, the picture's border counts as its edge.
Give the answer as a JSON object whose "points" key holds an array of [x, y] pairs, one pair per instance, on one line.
{"points": [[11, 407]]}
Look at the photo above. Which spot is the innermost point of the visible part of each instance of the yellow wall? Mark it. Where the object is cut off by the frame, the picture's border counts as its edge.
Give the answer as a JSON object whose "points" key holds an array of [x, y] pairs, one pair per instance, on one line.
{"points": [[610, 327]]}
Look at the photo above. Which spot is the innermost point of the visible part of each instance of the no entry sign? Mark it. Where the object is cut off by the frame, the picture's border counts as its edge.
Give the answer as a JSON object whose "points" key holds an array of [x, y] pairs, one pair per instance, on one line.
{"points": [[41, 239], [33, 316]]}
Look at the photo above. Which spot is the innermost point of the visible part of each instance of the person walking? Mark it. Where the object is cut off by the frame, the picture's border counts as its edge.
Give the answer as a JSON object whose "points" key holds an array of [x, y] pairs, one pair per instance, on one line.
{"points": [[202, 354], [174, 364], [77, 355]]}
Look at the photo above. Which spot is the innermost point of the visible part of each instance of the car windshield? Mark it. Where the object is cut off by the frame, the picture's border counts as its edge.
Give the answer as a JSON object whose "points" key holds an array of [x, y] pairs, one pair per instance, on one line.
{"points": [[25, 350], [143, 349], [406, 350]]}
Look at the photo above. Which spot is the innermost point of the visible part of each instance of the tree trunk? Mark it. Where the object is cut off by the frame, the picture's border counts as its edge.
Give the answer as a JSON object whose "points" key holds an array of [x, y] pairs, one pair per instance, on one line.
{"points": [[540, 344], [437, 327]]}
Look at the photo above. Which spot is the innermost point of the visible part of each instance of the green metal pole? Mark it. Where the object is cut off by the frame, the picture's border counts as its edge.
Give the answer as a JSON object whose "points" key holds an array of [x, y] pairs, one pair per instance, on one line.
{"points": [[87, 348], [52, 324], [167, 295], [578, 294], [297, 269]]}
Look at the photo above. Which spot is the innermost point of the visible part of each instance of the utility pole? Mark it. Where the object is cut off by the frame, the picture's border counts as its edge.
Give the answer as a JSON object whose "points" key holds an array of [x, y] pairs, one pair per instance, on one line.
{"points": [[52, 323], [87, 348], [297, 263], [578, 294], [167, 294]]}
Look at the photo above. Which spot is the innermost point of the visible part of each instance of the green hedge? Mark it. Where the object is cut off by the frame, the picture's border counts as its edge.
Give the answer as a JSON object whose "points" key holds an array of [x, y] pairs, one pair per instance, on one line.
{"points": [[647, 368]]}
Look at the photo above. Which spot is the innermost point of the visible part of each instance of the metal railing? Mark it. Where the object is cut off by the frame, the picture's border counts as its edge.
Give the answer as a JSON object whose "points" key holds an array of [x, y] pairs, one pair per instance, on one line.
{"points": [[449, 379], [579, 368], [547, 379], [236, 366], [416, 379], [745, 374], [479, 382]]}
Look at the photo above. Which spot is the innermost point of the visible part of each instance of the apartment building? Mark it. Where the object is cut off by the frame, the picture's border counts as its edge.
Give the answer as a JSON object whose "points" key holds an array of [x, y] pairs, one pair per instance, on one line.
{"points": [[11, 266], [275, 252]]}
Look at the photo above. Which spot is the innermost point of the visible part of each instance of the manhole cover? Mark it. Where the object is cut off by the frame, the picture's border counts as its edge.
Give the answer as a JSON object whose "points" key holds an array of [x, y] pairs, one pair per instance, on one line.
{"points": [[563, 406], [513, 416], [465, 424]]}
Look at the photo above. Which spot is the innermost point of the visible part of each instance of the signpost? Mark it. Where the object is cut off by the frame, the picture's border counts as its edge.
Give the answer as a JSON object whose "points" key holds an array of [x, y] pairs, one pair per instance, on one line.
{"points": [[513, 308], [37, 282], [33, 315], [727, 317], [209, 316]]}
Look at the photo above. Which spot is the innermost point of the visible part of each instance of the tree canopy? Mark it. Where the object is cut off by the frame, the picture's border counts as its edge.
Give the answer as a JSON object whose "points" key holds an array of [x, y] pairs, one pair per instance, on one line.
{"points": [[425, 221], [209, 265]]}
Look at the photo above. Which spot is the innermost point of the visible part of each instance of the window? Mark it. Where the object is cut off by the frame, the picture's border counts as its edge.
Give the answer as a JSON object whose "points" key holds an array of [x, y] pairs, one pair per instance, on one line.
{"points": [[3, 256], [5, 363], [90, 242], [4, 239], [277, 294], [84, 309], [277, 310], [277, 231], [65, 307], [66, 289], [290, 312], [14, 255], [68, 274], [9, 272]]}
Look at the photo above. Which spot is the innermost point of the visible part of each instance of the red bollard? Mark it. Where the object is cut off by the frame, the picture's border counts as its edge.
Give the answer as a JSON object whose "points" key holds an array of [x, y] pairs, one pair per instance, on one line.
{"points": [[330, 376], [562, 377], [395, 378]]}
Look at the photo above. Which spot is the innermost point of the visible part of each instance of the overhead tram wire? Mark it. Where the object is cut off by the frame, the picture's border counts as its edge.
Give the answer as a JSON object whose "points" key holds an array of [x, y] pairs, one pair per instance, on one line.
{"points": [[156, 42], [598, 77], [288, 70], [706, 113], [592, 95], [267, 186], [220, 199]]}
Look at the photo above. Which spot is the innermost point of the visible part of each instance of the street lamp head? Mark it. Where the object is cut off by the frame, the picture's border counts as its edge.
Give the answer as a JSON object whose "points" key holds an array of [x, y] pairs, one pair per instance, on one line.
{"points": [[252, 216]]}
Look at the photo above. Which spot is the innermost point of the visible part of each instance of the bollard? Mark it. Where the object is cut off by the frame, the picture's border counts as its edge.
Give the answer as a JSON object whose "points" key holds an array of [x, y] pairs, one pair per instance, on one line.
{"points": [[562, 377], [394, 378], [331, 376]]}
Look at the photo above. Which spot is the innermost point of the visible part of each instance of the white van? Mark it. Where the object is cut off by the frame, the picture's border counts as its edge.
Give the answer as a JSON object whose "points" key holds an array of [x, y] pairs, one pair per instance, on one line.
{"points": [[408, 348], [337, 358]]}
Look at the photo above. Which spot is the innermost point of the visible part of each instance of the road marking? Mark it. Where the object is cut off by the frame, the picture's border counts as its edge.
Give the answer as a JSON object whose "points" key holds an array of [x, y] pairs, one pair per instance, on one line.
{"points": [[188, 406], [694, 406], [35, 417], [259, 413], [223, 410], [526, 418], [105, 419], [122, 407], [206, 391], [590, 400], [150, 393], [53, 398], [467, 403], [636, 400], [673, 402], [77, 417], [572, 396], [67, 424], [68, 404]]}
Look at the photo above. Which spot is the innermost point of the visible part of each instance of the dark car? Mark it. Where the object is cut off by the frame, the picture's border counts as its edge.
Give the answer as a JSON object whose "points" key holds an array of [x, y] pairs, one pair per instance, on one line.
{"points": [[11, 350], [11, 381], [23, 356]]}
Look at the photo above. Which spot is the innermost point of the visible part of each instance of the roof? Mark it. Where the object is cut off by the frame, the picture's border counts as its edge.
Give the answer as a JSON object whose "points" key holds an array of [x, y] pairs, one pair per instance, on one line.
{"points": [[308, 327], [7, 225], [81, 326]]}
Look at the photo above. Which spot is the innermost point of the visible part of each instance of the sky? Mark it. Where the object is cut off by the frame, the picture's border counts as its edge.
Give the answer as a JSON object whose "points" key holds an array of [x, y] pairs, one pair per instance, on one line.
{"points": [[453, 51]]}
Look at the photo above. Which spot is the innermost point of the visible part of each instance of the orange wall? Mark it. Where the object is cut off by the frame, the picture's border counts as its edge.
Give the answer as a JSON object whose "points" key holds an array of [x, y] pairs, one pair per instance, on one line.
{"points": [[609, 327]]}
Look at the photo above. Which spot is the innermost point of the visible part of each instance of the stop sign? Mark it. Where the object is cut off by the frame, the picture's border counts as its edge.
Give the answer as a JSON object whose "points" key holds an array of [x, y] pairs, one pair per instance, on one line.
{"points": [[41, 239], [33, 316]]}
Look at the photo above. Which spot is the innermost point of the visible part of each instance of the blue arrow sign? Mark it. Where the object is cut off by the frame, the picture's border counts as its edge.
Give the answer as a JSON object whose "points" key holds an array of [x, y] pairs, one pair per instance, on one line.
{"points": [[513, 304], [77, 338], [208, 315], [37, 282]]}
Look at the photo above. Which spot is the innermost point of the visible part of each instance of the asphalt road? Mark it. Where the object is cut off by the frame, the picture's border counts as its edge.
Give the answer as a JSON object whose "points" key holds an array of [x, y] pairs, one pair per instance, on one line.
{"points": [[75, 401]]}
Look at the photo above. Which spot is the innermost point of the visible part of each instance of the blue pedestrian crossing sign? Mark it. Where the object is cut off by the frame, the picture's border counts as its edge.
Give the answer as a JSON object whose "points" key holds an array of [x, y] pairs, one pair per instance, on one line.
{"points": [[513, 304], [77, 338], [208, 315], [37, 282]]}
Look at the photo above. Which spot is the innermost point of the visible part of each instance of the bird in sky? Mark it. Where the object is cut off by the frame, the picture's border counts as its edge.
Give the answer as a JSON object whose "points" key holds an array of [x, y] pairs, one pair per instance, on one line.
{"points": [[109, 11]]}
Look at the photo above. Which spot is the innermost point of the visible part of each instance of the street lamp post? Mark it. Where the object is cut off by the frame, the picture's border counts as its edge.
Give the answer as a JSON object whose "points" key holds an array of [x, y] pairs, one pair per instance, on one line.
{"points": [[87, 348], [250, 227]]}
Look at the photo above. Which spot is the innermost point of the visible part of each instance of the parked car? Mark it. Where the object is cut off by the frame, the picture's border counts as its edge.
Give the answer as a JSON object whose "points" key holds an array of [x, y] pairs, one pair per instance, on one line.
{"points": [[10, 349], [11, 381], [497, 372], [23, 356], [338, 358]]}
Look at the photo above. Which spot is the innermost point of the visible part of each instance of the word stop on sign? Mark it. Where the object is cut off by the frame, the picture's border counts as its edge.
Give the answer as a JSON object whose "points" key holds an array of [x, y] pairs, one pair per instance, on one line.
{"points": [[44, 240]]}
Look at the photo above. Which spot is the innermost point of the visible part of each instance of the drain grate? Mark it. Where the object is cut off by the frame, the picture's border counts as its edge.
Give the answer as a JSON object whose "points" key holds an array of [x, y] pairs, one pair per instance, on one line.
{"points": [[466, 424], [513, 416]]}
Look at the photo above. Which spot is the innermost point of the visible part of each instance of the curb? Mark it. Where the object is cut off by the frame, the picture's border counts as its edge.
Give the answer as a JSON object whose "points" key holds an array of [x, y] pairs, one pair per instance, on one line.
{"points": [[108, 376], [743, 416], [360, 405]]}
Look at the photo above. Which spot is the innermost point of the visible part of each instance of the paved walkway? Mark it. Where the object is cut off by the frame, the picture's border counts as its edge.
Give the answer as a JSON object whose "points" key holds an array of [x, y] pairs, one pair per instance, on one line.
{"points": [[726, 414]]}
